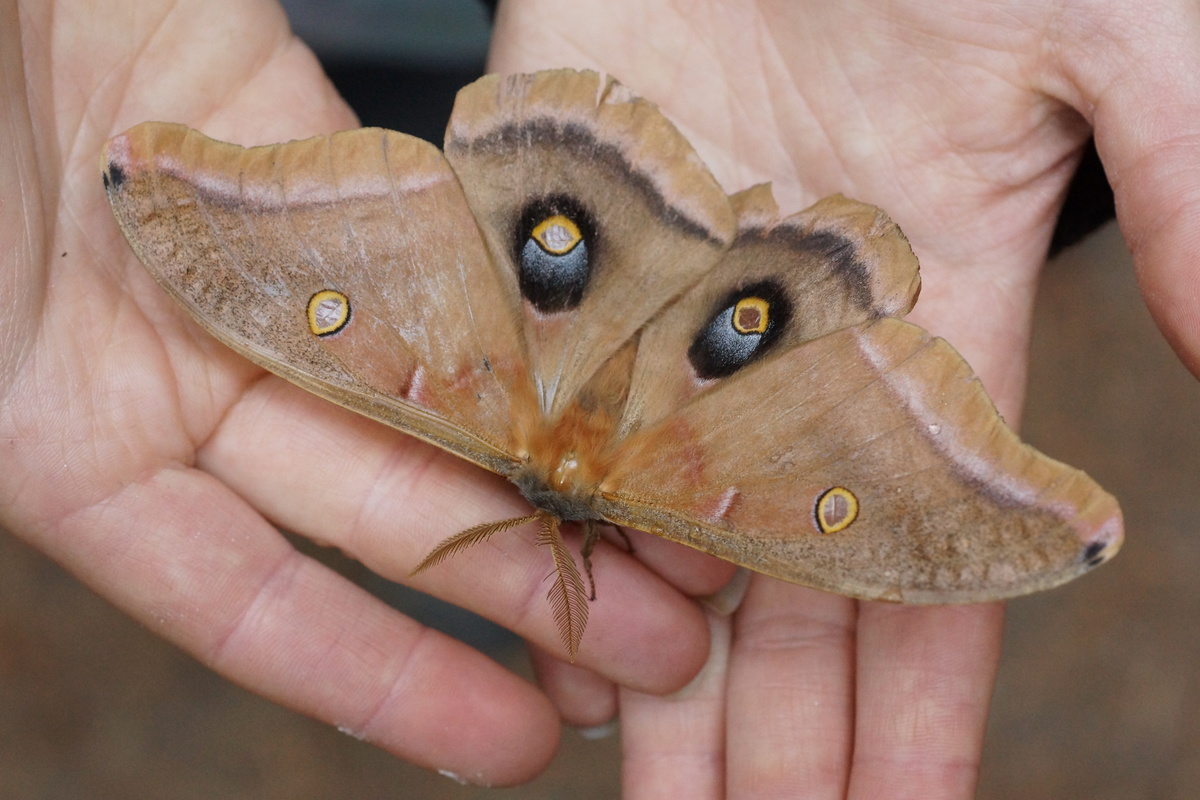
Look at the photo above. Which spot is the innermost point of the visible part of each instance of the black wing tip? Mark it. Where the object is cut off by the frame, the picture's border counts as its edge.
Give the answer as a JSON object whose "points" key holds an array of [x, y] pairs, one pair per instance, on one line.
{"points": [[114, 177], [1095, 554]]}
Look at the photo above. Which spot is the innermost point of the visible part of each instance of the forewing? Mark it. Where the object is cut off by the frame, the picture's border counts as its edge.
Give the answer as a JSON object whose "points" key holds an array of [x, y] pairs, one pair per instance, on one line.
{"points": [[576, 146], [266, 246]]}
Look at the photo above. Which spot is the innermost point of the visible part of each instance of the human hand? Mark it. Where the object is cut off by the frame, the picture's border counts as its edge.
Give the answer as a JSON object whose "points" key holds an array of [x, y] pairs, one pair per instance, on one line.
{"points": [[963, 121], [155, 464]]}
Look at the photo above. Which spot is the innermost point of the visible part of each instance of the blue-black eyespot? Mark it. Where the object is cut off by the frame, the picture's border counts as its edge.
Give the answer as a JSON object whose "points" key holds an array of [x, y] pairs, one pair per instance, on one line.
{"points": [[554, 248], [744, 326]]}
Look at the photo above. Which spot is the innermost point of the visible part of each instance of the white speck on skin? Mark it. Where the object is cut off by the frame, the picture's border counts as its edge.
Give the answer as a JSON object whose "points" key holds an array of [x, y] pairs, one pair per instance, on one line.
{"points": [[351, 732], [454, 776]]}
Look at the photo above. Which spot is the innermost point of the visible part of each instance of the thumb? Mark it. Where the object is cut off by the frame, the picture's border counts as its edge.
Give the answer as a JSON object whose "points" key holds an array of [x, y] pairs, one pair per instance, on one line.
{"points": [[1142, 92]]}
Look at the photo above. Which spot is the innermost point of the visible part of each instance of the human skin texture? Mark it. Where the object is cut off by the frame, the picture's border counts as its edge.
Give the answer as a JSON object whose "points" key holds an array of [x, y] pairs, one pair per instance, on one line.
{"points": [[156, 465]]}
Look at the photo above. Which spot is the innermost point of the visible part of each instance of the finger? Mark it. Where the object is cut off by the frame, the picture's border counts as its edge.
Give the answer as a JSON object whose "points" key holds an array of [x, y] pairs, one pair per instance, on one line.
{"points": [[674, 746], [791, 693], [388, 499], [583, 698], [588, 700], [1142, 93], [925, 677], [690, 571], [183, 555]]}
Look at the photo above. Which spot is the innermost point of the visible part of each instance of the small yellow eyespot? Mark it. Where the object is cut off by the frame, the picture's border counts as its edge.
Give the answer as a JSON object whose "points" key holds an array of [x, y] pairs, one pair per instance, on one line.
{"points": [[557, 234], [836, 509], [328, 312], [750, 315]]}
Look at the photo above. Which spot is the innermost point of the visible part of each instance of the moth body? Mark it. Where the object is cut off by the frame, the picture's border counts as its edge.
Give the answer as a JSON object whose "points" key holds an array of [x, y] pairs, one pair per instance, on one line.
{"points": [[567, 297], [565, 461]]}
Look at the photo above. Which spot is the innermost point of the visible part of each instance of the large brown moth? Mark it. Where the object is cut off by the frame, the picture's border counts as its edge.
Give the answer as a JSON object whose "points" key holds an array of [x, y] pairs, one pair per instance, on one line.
{"points": [[566, 297]]}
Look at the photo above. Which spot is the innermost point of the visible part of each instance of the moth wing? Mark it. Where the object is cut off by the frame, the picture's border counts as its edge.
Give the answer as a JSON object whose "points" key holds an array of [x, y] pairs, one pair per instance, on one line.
{"points": [[653, 219], [850, 451], [249, 239], [951, 506], [833, 265]]}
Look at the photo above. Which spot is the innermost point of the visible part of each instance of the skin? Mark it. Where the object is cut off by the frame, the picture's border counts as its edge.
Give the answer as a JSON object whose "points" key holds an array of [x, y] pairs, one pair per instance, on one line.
{"points": [[155, 464], [964, 121]]}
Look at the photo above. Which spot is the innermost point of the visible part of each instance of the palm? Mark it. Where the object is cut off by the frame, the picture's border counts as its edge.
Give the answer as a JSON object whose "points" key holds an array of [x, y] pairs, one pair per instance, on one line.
{"points": [[913, 109], [961, 121], [148, 459], [106, 388], [152, 462]]}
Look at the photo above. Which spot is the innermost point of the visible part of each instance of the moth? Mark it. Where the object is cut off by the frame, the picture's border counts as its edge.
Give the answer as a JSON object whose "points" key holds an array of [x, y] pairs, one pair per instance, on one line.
{"points": [[567, 297]]}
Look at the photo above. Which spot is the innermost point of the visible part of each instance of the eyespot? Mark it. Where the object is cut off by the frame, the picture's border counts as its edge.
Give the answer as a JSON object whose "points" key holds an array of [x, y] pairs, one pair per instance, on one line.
{"points": [[557, 235], [835, 510], [751, 315], [746, 323], [328, 312], [553, 249]]}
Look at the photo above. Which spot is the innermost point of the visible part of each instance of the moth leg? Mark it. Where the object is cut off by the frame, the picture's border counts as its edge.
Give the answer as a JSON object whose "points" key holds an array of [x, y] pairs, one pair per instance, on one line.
{"points": [[591, 535], [624, 538]]}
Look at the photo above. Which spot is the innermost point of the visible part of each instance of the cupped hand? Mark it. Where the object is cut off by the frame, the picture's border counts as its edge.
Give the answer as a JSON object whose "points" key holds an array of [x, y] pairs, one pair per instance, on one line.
{"points": [[157, 465], [964, 120]]}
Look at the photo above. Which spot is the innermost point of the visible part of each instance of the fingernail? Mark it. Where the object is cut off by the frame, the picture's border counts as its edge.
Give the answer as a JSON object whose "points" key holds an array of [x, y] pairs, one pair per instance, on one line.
{"points": [[601, 731], [728, 598]]}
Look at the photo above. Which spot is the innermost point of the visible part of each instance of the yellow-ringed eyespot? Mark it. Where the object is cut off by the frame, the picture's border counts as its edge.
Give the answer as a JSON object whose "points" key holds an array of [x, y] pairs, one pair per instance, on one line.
{"points": [[553, 246], [328, 312], [744, 325], [557, 235], [751, 315], [836, 509]]}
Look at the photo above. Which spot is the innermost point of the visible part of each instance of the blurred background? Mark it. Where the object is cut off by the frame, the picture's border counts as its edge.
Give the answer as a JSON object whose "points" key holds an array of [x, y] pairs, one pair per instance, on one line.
{"points": [[1097, 696]]}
